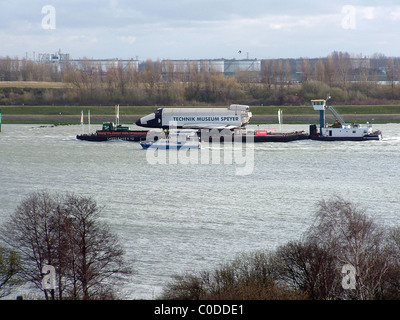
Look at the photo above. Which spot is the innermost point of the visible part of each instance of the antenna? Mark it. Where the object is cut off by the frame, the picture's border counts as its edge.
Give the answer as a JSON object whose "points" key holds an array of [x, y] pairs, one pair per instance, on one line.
{"points": [[117, 115]]}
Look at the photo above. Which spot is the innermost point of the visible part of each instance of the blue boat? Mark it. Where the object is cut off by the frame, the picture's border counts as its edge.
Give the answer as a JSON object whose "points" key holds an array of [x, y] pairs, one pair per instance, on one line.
{"points": [[174, 141]]}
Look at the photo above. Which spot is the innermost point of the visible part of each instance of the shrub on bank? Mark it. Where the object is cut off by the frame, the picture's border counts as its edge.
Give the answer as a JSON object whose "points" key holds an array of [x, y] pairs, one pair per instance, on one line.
{"points": [[218, 90], [345, 254]]}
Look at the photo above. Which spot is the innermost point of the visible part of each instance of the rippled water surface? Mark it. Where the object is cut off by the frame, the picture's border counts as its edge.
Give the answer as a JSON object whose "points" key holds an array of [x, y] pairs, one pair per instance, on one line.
{"points": [[178, 217]]}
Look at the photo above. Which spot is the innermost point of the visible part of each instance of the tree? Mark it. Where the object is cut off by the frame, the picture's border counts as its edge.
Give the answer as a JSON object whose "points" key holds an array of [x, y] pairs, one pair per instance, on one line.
{"points": [[266, 74], [95, 254], [9, 269], [319, 73], [281, 73], [342, 235], [87, 80], [344, 231], [304, 266], [150, 77], [305, 70], [392, 276], [390, 73], [248, 277], [195, 81], [288, 73], [274, 75], [64, 231], [312, 267], [342, 62], [117, 79], [330, 71]]}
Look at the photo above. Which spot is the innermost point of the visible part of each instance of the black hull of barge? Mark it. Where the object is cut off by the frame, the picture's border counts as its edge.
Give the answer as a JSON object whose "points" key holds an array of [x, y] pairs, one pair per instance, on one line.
{"points": [[277, 137], [365, 138], [273, 137]]}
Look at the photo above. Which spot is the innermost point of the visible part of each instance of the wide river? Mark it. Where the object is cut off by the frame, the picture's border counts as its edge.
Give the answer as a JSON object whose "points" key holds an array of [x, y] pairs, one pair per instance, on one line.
{"points": [[173, 217]]}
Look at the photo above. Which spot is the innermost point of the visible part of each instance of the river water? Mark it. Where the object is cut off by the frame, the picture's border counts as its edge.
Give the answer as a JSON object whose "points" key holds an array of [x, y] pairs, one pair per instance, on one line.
{"points": [[175, 217]]}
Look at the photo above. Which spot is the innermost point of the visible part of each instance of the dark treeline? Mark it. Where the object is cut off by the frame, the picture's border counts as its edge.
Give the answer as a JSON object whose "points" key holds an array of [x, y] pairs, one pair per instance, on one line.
{"points": [[343, 255], [348, 79], [62, 231]]}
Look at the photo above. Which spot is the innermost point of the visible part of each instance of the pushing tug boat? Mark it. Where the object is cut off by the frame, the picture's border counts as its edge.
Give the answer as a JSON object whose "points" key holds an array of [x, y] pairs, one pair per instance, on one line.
{"points": [[111, 131], [340, 130]]}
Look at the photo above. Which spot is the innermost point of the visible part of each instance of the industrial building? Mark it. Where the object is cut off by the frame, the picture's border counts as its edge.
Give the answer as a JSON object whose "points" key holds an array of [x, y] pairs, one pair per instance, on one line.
{"points": [[53, 57], [103, 65], [63, 61], [226, 66], [284, 69]]}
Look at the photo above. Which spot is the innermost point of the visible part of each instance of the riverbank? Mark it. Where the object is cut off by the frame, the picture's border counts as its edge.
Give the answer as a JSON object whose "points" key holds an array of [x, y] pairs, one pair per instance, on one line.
{"points": [[59, 115], [291, 119]]}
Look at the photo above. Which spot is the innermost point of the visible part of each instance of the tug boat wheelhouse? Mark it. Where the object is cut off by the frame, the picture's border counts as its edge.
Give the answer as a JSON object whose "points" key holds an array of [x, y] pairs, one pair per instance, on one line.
{"points": [[340, 130]]}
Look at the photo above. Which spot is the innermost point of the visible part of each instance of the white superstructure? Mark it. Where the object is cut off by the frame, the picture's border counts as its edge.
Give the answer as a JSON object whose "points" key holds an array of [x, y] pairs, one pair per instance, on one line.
{"points": [[340, 130], [236, 116]]}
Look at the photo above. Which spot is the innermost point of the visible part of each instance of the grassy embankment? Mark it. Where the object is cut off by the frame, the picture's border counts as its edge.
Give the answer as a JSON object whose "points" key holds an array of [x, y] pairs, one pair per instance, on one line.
{"points": [[128, 114], [350, 113]]}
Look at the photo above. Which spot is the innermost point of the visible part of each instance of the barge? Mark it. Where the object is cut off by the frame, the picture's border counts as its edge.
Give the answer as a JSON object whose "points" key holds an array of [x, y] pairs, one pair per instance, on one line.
{"points": [[258, 136], [215, 124]]}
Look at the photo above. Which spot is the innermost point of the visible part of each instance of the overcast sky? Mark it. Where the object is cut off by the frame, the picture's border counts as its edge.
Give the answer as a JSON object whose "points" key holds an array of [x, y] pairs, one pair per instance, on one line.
{"points": [[199, 29]]}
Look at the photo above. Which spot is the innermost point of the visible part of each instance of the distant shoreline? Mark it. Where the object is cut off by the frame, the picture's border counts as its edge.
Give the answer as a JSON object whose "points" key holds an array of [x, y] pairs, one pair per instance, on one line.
{"points": [[60, 115], [381, 118], [256, 119]]}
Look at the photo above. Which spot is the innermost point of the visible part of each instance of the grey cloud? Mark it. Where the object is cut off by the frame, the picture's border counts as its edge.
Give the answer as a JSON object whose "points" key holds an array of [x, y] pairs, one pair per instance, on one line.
{"points": [[187, 28], [120, 13]]}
